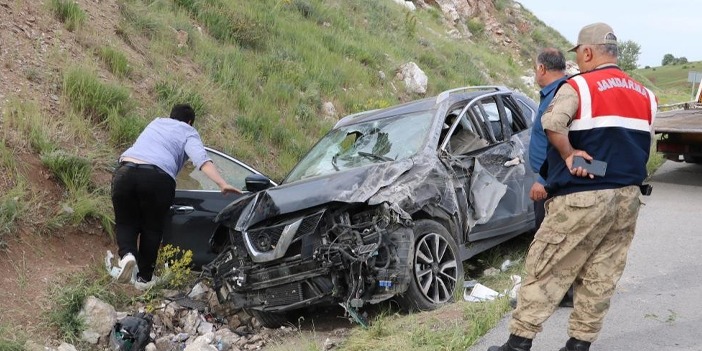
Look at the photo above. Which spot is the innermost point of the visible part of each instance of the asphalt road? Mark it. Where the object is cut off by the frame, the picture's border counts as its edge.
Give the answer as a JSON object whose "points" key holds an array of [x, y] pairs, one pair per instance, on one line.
{"points": [[658, 303]]}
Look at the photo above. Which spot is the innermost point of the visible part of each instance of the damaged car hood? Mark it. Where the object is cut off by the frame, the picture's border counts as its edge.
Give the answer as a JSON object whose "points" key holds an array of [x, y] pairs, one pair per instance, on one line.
{"points": [[349, 186]]}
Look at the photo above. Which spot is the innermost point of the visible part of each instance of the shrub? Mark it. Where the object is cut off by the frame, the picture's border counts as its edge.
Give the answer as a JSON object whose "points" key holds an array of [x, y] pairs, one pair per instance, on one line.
{"points": [[68, 12], [476, 26], [93, 98], [68, 296], [124, 130], [11, 209], [169, 94], [83, 204], [173, 266], [73, 171], [116, 62]]}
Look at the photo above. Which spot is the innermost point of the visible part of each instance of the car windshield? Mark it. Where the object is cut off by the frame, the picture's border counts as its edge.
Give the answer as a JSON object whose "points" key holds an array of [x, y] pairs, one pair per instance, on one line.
{"points": [[387, 139]]}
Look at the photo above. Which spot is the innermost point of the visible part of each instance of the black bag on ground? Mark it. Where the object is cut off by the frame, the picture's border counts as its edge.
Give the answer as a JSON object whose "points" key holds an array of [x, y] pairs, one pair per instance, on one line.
{"points": [[131, 333]]}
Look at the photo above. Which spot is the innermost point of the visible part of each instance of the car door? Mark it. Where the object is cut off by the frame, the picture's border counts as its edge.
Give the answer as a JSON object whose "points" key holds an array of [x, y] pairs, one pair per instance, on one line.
{"points": [[506, 162], [190, 224]]}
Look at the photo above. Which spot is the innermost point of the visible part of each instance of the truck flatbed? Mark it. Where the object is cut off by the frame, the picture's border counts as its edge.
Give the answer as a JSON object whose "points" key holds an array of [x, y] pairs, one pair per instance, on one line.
{"points": [[679, 121]]}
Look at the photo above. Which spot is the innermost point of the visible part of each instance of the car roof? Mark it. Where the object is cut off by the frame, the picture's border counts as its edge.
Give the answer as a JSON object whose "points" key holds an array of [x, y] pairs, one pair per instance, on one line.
{"points": [[446, 97]]}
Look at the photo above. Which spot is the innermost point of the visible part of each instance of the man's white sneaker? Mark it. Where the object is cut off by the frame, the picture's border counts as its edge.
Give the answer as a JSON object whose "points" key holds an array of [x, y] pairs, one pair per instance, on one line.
{"points": [[127, 264], [141, 284]]}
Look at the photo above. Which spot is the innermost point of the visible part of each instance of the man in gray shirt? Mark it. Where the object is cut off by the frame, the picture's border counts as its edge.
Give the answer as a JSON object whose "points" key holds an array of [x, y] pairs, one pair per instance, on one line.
{"points": [[143, 188]]}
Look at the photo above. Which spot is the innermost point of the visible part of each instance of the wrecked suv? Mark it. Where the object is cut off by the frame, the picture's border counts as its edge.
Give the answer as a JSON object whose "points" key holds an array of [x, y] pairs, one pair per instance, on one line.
{"points": [[386, 205]]}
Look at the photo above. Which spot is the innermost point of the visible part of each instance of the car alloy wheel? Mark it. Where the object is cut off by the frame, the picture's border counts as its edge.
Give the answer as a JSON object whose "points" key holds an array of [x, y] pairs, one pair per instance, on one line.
{"points": [[437, 270]]}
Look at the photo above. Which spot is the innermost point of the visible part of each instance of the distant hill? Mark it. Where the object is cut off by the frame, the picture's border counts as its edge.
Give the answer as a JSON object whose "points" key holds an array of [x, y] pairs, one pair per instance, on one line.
{"points": [[670, 81]]}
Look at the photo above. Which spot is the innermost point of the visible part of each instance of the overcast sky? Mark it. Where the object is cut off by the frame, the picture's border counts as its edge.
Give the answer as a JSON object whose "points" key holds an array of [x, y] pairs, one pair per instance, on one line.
{"points": [[659, 26]]}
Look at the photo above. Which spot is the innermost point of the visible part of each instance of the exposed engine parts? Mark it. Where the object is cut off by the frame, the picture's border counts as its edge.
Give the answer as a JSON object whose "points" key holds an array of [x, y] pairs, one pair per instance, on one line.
{"points": [[353, 255]]}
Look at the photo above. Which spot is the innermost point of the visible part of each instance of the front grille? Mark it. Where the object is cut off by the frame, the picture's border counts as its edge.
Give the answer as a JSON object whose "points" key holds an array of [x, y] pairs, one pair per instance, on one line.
{"points": [[284, 295], [309, 224]]}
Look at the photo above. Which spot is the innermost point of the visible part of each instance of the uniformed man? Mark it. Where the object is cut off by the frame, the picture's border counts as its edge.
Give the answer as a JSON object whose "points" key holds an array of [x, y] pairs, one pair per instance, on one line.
{"points": [[600, 114]]}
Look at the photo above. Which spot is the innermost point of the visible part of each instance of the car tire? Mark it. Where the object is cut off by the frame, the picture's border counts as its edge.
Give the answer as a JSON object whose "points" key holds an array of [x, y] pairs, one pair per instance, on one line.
{"points": [[269, 319], [437, 270]]}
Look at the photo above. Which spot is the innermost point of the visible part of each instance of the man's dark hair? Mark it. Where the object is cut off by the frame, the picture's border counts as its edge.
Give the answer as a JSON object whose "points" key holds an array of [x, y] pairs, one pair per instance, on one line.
{"points": [[552, 59], [183, 113]]}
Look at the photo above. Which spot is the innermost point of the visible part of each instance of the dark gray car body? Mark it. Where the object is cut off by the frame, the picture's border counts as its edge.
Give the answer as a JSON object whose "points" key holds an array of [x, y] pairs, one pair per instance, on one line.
{"points": [[347, 236]]}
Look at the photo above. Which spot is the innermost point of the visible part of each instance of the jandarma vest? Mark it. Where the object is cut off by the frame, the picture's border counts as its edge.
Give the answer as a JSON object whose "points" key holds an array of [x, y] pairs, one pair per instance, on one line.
{"points": [[612, 124]]}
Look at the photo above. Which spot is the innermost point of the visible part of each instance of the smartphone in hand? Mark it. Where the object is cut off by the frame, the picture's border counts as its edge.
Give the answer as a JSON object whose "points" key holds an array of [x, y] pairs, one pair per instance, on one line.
{"points": [[594, 167]]}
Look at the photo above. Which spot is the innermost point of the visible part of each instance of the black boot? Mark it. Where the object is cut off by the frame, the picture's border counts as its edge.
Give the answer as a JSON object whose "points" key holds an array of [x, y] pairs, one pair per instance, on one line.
{"points": [[514, 343], [574, 344], [567, 300]]}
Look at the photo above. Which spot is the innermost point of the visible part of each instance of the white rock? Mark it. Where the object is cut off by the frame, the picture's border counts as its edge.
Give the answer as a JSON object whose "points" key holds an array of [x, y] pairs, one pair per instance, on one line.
{"points": [[328, 110], [415, 79], [198, 290], [205, 327], [66, 347], [407, 4], [99, 318]]}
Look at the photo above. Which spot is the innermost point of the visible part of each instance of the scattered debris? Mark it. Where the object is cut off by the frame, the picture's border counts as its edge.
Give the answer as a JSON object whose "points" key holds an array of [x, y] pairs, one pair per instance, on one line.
{"points": [[480, 293]]}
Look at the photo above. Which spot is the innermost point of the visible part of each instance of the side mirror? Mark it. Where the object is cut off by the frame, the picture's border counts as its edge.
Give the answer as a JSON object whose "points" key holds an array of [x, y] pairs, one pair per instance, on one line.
{"points": [[257, 182]]}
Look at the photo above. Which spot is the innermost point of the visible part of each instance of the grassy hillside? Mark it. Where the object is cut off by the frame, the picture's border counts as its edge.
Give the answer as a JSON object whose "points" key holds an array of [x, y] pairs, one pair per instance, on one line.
{"points": [[671, 82], [257, 73]]}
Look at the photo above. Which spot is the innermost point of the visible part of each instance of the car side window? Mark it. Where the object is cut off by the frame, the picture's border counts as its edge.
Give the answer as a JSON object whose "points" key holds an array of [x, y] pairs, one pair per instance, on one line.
{"points": [[518, 113], [234, 173], [487, 111], [526, 110]]}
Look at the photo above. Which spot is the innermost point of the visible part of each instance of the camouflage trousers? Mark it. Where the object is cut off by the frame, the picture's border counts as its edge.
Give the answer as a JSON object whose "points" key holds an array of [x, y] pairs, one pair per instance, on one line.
{"points": [[583, 241]]}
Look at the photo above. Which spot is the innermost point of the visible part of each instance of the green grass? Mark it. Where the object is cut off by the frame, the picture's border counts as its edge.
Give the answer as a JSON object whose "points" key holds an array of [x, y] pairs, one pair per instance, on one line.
{"points": [[72, 171], [11, 340], [25, 117], [12, 209], [269, 65], [115, 61], [68, 12], [95, 99], [670, 81], [85, 206], [455, 326], [124, 129], [655, 159], [170, 93], [69, 294]]}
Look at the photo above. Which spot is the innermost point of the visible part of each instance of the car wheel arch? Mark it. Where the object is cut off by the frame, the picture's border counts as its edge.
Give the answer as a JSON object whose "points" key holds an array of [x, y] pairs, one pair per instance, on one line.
{"points": [[450, 226]]}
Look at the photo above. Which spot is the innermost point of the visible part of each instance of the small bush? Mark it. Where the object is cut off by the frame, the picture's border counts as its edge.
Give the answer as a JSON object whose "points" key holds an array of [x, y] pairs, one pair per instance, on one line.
{"points": [[26, 118], [73, 171], [68, 297], [68, 12], [476, 26], [169, 94], [9, 340], [93, 98], [12, 207], [235, 27], [83, 205], [124, 130], [173, 266], [251, 127], [141, 21], [410, 24], [116, 62]]}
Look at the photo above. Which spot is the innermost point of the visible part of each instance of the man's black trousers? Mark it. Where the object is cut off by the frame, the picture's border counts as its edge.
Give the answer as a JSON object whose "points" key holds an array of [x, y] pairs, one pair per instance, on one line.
{"points": [[141, 197]]}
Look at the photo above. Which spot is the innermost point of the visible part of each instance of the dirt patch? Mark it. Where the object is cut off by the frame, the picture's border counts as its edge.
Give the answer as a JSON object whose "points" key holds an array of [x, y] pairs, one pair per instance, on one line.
{"points": [[32, 263]]}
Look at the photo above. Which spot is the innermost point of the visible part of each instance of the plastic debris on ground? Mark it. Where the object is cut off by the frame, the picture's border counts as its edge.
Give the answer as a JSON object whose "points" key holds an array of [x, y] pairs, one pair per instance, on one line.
{"points": [[112, 270], [480, 293], [476, 292]]}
